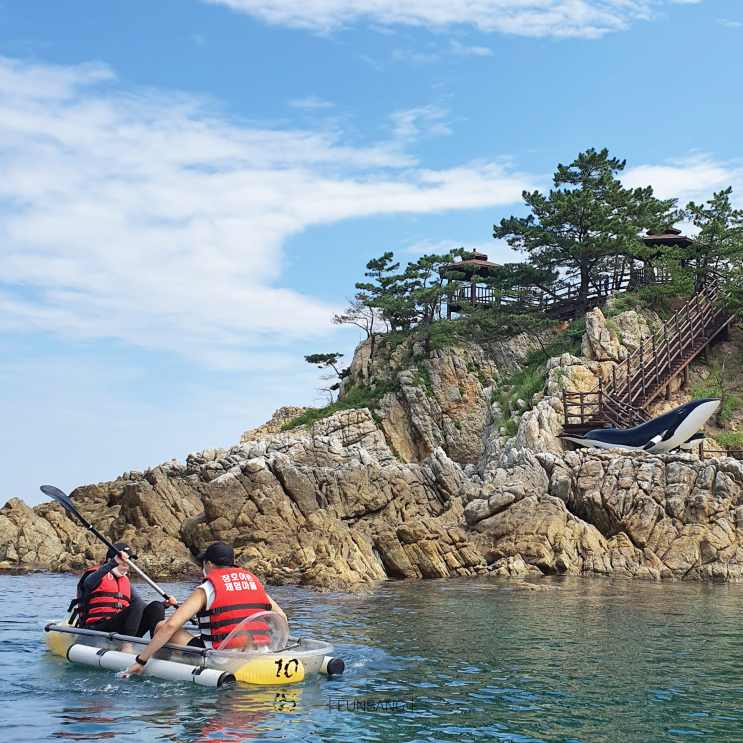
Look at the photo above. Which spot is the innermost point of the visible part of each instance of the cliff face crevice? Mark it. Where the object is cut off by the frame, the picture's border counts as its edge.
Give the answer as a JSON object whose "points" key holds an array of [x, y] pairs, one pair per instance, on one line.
{"points": [[444, 395]]}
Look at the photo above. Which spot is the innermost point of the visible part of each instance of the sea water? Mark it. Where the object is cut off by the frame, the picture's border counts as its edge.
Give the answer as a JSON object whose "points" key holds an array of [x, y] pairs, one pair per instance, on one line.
{"points": [[586, 660]]}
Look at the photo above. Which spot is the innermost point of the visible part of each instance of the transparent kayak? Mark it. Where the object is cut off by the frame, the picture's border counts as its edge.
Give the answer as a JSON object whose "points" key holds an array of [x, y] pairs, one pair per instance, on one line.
{"points": [[293, 660]]}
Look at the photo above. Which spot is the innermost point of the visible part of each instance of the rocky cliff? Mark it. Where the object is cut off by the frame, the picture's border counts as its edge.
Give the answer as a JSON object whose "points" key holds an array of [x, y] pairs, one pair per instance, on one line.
{"points": [[428, 484]]}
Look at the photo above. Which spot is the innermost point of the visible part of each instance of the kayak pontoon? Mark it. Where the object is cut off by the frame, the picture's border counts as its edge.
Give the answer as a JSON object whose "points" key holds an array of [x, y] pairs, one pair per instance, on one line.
{"points": [[298, 658]]}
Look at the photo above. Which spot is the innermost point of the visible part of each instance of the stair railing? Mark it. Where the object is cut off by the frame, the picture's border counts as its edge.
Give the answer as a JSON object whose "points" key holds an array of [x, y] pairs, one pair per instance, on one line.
{"points": [[634, 383], [655, 362]]}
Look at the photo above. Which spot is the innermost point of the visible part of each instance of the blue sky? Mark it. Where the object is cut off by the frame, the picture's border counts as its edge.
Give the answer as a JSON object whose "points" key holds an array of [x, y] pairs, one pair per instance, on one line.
{"points": [[191, 188]]}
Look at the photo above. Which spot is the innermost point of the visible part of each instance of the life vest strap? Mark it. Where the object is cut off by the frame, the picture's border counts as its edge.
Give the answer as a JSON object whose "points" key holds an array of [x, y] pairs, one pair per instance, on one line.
{"points": [[98, 605]]}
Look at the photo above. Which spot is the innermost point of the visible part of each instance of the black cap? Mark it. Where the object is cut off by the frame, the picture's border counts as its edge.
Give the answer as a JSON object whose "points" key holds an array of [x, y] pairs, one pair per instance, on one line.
{"points": [[120, 547], [218, 553]]}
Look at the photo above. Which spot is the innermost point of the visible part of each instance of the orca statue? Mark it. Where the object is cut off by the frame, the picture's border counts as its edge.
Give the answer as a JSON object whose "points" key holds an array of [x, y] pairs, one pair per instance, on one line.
{"points": [[677, 429]]}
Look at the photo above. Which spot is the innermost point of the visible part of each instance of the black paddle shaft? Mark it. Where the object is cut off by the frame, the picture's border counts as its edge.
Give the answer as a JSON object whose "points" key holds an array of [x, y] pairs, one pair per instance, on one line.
{"points": [[65, 501]]}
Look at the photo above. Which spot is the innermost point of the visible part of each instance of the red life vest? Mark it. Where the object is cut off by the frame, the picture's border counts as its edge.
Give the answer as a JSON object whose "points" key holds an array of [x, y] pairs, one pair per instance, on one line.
{"points": [[237, 596], [111, 597]]}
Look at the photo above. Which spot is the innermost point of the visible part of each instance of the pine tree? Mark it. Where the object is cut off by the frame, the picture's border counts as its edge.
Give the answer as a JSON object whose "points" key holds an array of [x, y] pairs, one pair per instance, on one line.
{"points": [[719, 244], [389, 293], [587, 219]]}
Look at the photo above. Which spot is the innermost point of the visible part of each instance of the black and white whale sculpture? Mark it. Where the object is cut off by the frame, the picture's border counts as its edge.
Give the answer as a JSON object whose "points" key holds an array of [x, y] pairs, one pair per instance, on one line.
{"points": [[677, 429]]}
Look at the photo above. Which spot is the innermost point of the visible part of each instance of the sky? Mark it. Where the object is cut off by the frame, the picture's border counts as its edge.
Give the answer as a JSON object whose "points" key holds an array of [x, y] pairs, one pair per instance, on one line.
{"points": [[190, 188]]}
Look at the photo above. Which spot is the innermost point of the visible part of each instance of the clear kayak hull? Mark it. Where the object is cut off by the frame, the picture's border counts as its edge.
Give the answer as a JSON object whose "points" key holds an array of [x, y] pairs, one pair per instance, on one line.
{"points": [[301, 659]]}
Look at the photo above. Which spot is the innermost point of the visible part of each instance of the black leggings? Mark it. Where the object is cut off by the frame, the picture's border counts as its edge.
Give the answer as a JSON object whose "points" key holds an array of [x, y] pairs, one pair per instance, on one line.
{"points": [[136, 620]]}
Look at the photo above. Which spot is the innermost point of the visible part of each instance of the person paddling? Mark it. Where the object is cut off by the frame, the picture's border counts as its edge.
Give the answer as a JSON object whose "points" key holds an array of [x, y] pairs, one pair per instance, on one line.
{"points": [[227, 596], [107, 602]]}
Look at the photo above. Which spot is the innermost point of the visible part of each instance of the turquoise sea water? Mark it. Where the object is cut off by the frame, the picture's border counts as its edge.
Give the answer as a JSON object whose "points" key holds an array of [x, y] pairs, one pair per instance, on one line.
{"points": [[469, 660]]}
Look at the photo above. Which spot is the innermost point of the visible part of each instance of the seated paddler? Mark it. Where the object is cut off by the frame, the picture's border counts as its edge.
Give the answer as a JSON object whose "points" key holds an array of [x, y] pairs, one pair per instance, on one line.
{"points": [[106, 601], [226, 597]]}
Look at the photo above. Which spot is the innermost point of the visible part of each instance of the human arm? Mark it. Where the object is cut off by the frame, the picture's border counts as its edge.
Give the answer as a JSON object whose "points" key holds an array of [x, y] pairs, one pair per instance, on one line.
{"points": [[195, 603], [275, 607]]}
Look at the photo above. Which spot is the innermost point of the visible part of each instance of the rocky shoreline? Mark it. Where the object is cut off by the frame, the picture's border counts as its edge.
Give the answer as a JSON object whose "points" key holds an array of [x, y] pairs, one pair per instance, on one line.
{"points": [[427, 486]]}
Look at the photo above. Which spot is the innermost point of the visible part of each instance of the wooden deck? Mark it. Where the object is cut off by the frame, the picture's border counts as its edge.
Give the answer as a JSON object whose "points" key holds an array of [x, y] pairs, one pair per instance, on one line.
{"points": [[560, 304]]}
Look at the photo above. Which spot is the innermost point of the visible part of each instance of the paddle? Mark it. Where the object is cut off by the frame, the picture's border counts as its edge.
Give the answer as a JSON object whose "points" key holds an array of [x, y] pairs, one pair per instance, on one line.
{"points": [[65, 502]]}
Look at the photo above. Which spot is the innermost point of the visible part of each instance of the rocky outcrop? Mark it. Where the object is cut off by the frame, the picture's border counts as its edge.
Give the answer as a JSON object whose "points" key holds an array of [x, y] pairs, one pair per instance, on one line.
{"points": [[685, 515], [442, 403], [278, 419], [145, 510], [334, 508], [331, 508], [615, 338], [428, 485], [633, 328]]}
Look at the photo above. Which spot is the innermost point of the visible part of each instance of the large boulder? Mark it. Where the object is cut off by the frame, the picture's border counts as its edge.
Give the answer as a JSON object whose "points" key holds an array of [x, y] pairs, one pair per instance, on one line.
{"points": [[600, 343], [27, 537]]}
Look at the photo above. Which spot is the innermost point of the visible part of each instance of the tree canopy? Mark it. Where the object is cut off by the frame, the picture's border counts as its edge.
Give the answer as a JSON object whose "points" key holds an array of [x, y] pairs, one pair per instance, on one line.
{"points": [[586, 220]]}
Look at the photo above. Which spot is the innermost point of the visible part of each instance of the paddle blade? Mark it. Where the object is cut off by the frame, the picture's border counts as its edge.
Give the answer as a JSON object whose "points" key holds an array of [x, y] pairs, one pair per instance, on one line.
{"points": [[59, 496]]}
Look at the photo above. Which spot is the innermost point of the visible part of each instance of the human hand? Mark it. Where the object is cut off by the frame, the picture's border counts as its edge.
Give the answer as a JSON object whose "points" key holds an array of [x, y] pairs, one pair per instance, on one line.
{"points": [[170, 601], [136, 669], [121, 558]]}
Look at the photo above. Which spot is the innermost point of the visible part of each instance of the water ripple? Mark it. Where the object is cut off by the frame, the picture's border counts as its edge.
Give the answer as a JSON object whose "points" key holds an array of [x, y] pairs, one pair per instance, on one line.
{"points": [[596, 662]]}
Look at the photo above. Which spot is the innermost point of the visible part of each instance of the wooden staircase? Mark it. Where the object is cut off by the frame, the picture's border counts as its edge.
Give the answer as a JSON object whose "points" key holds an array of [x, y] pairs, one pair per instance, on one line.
{"points": [[623, 399]]}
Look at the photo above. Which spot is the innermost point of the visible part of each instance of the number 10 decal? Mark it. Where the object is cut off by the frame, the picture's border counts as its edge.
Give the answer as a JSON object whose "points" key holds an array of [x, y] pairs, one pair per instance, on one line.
{"points": [[288, 669]]}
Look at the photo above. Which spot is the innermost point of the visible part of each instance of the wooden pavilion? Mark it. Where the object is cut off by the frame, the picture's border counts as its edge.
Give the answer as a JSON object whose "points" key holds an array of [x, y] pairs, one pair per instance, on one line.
{"points": [[468, 272]]}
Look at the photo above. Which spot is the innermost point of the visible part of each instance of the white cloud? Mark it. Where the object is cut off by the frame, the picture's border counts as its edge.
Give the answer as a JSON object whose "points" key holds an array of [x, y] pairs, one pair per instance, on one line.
{"points": [[730, 24], [476, 51], [150, 218], [693, 178], [558, 18], [413, 122], [310, 102]]}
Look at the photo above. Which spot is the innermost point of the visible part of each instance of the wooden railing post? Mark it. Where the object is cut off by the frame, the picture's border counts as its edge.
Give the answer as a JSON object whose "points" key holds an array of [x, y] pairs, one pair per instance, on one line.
{"points": [[688, 319]]}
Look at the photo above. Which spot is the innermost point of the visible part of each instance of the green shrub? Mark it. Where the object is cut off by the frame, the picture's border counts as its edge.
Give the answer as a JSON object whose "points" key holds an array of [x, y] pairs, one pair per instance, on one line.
{"points": [[710, 387], [733, 439], [354, 399], [523, 385], [573, 336], [511, 427], [659, 298], [421, 379], [625, 302]]}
